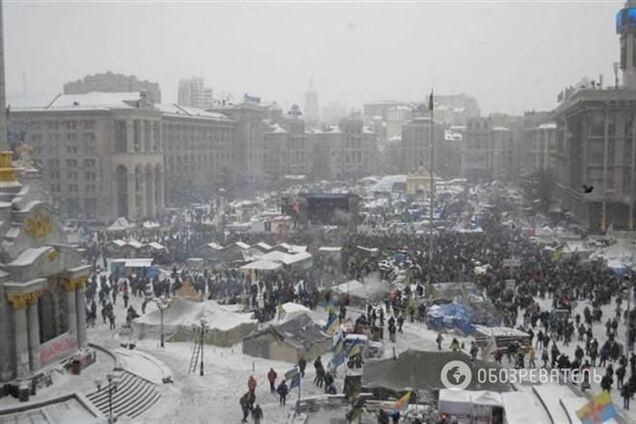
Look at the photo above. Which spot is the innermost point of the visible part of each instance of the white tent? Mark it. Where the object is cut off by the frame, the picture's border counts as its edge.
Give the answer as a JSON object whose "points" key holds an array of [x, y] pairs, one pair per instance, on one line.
{"points": [[120, 224]]}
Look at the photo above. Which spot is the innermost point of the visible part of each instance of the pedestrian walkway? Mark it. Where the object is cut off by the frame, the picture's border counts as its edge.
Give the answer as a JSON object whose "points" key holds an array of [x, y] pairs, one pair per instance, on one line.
{"points": [[132, 396]]}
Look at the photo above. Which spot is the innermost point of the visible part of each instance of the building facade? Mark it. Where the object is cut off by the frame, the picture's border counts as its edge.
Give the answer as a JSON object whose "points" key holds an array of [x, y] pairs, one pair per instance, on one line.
{"points": [[193, 93], [100, 153], [596, 147], [196, 152], [109, 82], [596, 142], [247, 148]]}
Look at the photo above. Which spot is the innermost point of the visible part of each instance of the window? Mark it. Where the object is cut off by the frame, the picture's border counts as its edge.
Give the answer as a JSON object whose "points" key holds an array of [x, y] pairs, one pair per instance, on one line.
{"points": [[89, 163], [70, 125], [71, 163], [55, 175], [72, 175], [71, 150], [71, 137], [55, 188], [53, 125], [88, 137], [90, 176], [54, 163], [120, 137], [73, 188], [88, 124], [34, 125], [36, 138], [136, 136], [90, 188]]}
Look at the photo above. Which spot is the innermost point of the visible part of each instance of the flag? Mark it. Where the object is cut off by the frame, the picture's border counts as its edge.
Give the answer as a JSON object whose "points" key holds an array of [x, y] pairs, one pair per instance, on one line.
{"points": [[332, 324], [355, 349], [598, 410], [337, 360], [292, 373], [295, 382], [402, 402], [430, 102], [338, 342], [557, 254]]}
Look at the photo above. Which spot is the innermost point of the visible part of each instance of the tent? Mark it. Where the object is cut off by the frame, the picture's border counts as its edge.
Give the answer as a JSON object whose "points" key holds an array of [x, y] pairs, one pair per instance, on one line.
{"points": [[359, 293], [225, 326], [120, 224], [421, 370], [480, 406], [294, 339]]}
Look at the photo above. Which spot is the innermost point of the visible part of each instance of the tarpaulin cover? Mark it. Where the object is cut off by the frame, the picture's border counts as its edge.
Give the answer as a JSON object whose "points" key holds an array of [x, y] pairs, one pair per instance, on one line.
{"points": [[421, 370], [460, 317]]}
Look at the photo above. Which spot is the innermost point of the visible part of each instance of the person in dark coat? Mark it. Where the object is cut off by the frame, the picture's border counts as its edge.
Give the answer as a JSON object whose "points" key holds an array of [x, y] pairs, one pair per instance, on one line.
{"points": [[282, 391], [302, 364], [271, 377], [257, 414]]}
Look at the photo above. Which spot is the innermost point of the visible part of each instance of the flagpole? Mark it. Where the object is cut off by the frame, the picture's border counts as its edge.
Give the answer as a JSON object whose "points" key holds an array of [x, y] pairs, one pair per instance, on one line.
{"points": [[299, 385], [431, 108]]}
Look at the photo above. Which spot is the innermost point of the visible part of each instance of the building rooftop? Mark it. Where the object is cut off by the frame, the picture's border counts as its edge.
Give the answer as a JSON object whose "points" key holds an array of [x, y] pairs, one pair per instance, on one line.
{"points": [[65, 102], [596, 95], [188, 111], [548, 126]]}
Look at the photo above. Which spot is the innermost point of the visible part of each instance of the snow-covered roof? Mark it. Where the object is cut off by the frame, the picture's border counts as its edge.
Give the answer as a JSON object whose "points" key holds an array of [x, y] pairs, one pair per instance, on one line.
{"points": [[500, 129], [264, 245], [548, 126], [138, 263], [215, 246], [156, 246], [65, 102], [329, 249], [275, 128], [262, 265], [28, 256], [188, 111], [242, 245]]}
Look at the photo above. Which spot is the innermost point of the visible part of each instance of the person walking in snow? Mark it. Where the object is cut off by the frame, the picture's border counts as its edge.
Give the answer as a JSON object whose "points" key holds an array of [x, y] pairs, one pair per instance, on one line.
{"points": [[257, 414], [282, 391], [271, 377]]}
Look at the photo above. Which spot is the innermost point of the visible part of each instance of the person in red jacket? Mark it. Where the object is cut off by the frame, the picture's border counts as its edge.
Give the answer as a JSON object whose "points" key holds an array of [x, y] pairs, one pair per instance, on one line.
{"points": [[271, 376], [251, 384]]}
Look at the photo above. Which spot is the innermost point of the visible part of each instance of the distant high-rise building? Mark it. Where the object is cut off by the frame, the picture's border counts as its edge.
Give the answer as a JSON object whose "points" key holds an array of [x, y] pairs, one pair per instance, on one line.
{"points": [[312, 112], [109, 82], [192, 92], [626, 28]]}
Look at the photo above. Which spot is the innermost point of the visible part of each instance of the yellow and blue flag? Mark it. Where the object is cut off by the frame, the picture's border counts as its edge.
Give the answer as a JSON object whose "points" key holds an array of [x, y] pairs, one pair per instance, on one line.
{"points": [[402, 402], [598, 410], [332, 324]]}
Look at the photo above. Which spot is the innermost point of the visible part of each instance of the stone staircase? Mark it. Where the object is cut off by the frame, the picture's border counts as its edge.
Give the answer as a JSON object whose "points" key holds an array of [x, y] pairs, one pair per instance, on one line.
{"points": [[134, 396]]}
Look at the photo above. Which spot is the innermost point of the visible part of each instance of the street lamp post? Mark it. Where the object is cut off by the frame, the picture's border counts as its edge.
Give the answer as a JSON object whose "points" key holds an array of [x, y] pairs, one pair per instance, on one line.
{"points": [[112, 388], [161, 304], [202, 335]]}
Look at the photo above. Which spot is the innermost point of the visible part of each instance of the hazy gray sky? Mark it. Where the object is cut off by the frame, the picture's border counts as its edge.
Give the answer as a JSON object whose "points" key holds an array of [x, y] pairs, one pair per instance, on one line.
{"points": [[511, 56]]}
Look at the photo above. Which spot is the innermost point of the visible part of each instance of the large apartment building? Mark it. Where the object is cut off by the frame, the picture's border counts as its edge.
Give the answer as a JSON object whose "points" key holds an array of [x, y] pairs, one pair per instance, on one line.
{"points": [[109, 82], [197, 155], [101, 153]]}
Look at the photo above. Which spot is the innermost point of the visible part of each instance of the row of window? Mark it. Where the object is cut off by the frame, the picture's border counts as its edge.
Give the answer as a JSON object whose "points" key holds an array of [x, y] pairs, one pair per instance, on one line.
{"points": [[71, 163], [87, 124], [73, 188], [73, 137]]}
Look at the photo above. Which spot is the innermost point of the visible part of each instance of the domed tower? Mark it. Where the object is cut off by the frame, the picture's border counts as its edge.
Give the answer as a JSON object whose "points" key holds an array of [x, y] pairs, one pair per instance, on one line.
{"points": [[626, 28]]}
